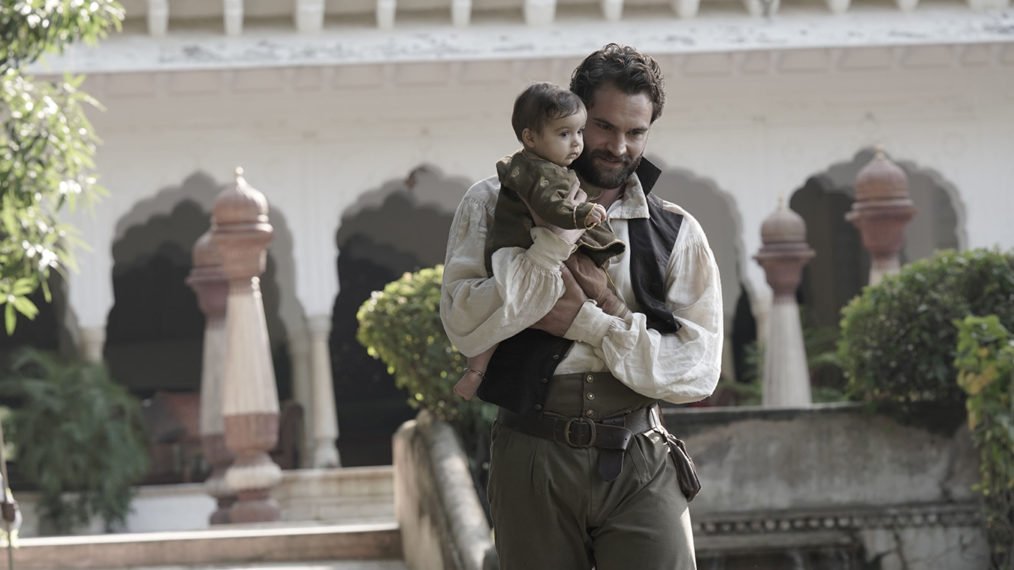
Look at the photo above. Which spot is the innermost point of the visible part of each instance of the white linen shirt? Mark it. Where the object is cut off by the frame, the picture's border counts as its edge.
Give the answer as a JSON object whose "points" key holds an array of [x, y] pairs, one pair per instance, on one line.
{"points": [[478, 311]]}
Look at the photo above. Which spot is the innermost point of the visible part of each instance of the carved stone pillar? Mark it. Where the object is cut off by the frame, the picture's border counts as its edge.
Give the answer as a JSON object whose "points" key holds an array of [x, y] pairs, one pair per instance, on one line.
{"points": [[241, 233], [209, 282], [881, 211], [783, 255], [325, 419]]}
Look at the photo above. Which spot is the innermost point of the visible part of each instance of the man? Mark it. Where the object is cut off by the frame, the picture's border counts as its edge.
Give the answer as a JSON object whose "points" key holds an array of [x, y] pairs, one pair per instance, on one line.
{"points": [[580, 474]]}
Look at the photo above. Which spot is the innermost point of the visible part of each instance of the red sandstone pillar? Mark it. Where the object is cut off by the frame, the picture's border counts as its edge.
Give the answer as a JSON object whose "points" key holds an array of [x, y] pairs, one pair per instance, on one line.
{"points": [[881, 211], [208, 280], [241, 231]]}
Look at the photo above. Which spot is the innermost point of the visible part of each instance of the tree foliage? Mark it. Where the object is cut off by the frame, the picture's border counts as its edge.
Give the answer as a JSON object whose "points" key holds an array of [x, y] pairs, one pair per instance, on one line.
{"points": [[898, 338], [401, 326], [985, 361], [77, 436], [47, 144]]}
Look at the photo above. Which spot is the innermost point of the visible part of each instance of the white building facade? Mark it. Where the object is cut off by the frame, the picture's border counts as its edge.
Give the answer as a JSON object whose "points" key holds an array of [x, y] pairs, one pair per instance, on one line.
{"points": [[333, 108]]}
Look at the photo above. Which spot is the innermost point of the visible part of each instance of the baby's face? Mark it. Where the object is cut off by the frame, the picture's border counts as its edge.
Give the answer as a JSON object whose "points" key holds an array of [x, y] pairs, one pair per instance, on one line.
{"points": [[561, 140]]}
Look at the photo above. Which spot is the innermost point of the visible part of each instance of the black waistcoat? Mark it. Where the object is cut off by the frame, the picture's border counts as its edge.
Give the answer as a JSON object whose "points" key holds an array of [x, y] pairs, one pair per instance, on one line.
{"points": [[517, 377]]}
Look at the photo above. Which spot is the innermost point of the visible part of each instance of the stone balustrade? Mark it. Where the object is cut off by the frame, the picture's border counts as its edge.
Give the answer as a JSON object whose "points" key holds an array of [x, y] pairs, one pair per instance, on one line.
{"points": [[311, 16]]}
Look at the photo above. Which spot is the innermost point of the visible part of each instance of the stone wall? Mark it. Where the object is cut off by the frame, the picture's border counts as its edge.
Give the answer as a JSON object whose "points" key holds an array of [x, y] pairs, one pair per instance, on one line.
{"points": [[443, 526], [832, 487]]}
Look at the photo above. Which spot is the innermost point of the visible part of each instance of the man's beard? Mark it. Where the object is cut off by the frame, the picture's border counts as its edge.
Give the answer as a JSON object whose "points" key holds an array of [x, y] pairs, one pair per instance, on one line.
{"points": [[605, 178]]}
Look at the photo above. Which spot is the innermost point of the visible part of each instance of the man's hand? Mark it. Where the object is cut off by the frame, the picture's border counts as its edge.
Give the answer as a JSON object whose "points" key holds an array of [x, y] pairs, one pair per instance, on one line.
{"points": [[559, 318], [574, 197]]}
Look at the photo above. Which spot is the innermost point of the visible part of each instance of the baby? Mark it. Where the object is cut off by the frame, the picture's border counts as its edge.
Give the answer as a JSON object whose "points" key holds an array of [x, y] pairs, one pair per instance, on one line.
{"points": [[549, 122]]}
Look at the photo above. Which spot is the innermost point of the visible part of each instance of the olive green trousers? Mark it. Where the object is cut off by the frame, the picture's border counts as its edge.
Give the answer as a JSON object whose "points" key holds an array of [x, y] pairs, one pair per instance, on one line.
{"points": [[552, 511]]}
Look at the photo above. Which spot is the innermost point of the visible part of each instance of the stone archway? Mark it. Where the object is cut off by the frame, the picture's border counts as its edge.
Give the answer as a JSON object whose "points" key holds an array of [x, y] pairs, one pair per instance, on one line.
{"points": [[397, 228], [841, 266]]}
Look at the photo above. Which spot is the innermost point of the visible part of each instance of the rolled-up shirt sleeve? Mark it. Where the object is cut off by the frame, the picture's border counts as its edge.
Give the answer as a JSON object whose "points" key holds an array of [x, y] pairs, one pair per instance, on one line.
{"points": [[678, 367], [479, 310]]}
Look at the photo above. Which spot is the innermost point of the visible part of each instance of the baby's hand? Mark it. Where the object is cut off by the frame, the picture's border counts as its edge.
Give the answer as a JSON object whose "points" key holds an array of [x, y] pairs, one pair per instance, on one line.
{"points": [[595, 217]]}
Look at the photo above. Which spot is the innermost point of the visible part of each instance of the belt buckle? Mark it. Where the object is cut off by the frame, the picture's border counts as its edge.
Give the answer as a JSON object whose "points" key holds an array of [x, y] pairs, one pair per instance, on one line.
{"points": [[583, 420]]}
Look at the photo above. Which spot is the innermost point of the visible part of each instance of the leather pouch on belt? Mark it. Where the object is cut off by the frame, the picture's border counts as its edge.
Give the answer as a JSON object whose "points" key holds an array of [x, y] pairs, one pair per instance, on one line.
{"points": [[686, 473]]}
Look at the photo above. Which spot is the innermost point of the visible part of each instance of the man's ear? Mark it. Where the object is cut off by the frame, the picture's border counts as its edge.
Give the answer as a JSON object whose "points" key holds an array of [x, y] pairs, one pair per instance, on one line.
{"points": [[528, 137]]}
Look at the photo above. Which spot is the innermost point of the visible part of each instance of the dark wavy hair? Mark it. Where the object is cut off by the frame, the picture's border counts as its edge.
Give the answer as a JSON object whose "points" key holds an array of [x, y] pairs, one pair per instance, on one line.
{"points": [[631, 71], [540, 103]]}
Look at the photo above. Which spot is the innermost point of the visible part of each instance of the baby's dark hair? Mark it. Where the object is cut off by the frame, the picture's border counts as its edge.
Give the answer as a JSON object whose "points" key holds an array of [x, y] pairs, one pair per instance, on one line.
{"points": [[541, 103]]}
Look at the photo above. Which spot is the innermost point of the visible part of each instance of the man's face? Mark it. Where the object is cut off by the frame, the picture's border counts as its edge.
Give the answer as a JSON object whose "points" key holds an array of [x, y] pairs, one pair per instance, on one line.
{"points": [[614, 137]]}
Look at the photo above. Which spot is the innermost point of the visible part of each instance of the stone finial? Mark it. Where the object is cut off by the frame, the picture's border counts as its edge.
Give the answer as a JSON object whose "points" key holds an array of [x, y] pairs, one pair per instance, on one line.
{"points": [[881, 211], [785, 250], [881, 179], [783, 226], [241, 229]]}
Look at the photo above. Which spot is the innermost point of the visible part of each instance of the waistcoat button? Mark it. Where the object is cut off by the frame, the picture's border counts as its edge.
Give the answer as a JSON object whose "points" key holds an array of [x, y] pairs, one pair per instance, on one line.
{"points": [[589, 378], [591, 396]]}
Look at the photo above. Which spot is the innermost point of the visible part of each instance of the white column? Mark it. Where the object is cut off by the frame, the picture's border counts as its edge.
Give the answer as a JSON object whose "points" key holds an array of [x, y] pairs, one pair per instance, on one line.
{"points": [[612, 10], [325, 418], [540, 12], [158, 17], [385, 13], [233, 16], [302, 390], [309, 15], [786, 376], [93, 341], [685, 9], [761, 8], [838, 6], [461, 12]]}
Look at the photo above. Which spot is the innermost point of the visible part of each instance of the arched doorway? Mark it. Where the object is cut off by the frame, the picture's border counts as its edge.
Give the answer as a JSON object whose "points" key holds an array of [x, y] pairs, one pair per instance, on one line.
{"points": [[395, 229]]}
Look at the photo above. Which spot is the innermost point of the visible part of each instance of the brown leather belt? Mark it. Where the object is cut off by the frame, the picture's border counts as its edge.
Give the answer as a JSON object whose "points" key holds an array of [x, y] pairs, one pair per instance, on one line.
{"points": [[610, 435]]}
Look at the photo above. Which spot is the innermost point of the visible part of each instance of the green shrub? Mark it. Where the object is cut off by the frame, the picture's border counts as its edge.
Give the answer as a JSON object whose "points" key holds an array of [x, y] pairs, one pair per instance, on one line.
{"points": [[77, 436], [986, 373], [401, 326], [898, 338]]}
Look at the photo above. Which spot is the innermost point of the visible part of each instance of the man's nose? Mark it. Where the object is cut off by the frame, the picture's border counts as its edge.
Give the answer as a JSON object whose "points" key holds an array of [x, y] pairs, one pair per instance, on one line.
{"points": [[617, 144]]}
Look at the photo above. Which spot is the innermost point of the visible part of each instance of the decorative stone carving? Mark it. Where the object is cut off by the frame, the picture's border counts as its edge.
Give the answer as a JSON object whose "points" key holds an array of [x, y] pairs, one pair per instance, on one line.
{"points": [[785, 251], [241, 233], [211, 285], [881, 211]]}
